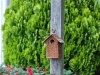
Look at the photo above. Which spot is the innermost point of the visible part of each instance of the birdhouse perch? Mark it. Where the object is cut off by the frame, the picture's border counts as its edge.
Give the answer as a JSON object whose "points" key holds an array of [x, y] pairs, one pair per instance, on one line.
{"points": [[53, 46]]}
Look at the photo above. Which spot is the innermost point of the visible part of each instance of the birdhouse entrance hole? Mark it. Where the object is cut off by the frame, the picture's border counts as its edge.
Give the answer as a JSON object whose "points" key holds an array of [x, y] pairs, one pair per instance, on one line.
{"points": [[51, 41]]}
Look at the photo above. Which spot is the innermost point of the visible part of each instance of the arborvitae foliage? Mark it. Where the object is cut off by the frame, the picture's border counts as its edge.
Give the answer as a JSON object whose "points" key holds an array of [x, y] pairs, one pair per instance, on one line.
{"points": [[82, 36], [27, 24]]}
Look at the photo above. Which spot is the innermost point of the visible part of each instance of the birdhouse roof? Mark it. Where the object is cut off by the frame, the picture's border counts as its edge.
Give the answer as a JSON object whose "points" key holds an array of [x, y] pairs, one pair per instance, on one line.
{"points": [[56, 37]]}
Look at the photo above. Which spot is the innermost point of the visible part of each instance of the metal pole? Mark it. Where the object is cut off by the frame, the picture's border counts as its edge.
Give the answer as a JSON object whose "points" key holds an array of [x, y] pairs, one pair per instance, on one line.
{"points": [[57, 24]]}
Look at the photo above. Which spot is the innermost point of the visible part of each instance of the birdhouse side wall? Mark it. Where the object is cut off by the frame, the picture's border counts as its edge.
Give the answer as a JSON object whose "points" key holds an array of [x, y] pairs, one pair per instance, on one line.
{"points": [[60, 49]]}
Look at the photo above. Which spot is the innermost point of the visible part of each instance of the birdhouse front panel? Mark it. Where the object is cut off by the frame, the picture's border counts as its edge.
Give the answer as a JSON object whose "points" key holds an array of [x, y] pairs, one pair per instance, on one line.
{"points": [[52, 48]]}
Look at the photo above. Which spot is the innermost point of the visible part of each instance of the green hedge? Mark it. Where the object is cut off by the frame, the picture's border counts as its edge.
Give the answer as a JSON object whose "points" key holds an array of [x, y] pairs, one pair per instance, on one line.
{"points": [[27, 24], [82, 36]]}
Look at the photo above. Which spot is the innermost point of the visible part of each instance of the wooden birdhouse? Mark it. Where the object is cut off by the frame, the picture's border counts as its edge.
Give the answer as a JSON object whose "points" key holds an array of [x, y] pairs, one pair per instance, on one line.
{"points": [[53, 46]]}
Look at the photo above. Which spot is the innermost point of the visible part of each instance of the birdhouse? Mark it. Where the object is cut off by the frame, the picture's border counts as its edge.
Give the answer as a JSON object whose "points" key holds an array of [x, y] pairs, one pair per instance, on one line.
{"points": [[53, 46]]}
